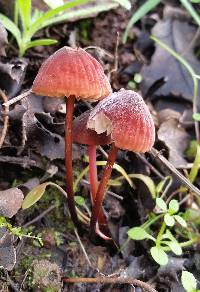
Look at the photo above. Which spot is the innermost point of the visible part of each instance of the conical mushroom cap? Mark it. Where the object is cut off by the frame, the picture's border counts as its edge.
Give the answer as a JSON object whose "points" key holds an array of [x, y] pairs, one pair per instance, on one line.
{"points": [[70, 72], [83, 135], [126, 117]]}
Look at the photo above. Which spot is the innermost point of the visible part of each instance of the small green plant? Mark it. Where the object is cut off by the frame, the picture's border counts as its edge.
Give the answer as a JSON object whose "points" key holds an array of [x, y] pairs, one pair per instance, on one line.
{"points": [[27, 22], [18, 231], [31, 22], [189, 282], [151, 4], [165, 240]]}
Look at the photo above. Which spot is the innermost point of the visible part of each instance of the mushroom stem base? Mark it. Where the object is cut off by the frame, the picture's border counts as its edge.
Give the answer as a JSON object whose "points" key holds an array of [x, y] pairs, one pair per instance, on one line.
{"points": [[102, 188], [102, 222]]}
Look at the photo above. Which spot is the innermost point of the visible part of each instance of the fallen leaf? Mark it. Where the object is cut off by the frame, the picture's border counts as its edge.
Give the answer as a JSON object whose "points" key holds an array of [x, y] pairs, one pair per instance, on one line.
{"points": [[177, 81], [38, 128], [7, 250], [174, 136], [12, 75], [10, 202]]}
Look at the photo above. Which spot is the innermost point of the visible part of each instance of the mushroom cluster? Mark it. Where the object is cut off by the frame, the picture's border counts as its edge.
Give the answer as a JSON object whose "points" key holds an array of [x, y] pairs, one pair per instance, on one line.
{"points": [[121, 119], [74, 74]]}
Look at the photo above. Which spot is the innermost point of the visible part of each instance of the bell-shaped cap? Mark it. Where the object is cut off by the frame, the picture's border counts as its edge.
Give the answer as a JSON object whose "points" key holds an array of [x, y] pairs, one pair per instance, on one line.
{"points": [[70, 72], [125, 116], [83, 135]]}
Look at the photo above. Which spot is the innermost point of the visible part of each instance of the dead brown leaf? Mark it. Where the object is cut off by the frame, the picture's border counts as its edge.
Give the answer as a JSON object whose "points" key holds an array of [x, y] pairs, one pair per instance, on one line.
{"points": [[10, 202], [174, 136], [178, 35]]}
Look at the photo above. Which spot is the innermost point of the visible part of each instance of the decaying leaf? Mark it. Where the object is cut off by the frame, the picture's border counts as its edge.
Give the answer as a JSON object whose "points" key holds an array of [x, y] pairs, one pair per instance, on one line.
{"points": [[10, 202], [174, 136], [38, 128], [7, 250], [177, 81], [3, 40], [12, 75]]}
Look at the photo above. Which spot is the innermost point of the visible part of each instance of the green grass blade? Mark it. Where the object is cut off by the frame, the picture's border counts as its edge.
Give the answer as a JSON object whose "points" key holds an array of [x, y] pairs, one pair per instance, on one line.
{"points": [[24, 8], [80, 13], [11, 27], [142, 10], [41, 42], [195, 168], [120, 169], [39, 23], [188, 6]]}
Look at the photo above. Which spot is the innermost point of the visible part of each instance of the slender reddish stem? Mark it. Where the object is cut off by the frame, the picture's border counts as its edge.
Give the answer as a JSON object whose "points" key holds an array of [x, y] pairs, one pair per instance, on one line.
{"points": [[102, 188], [68, 157], [93, 188], [93, 171]]}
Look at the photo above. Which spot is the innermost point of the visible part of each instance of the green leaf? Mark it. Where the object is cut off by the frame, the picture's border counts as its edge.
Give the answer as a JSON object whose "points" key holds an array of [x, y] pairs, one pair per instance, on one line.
{"points": [[161, 204], [41, 22], [41, 42], [180, 220], [192, 149], [138, 233], [161, 184], [80, 13], [54, 3], [120, 169], [169, 220], [147, 181], [194, 14], [34, 195], [124, 3], [11, 27], [195, 168], [188, 281], [142, 10], [24, 8], [173, 206], [196, 117], [175, 247], [159, 255], [79, 200]]}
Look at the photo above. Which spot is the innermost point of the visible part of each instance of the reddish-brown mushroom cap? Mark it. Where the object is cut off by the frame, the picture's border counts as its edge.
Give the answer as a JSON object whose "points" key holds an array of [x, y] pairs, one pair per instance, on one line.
{"points": [[83, 135], [126, 117], [72, 72]]}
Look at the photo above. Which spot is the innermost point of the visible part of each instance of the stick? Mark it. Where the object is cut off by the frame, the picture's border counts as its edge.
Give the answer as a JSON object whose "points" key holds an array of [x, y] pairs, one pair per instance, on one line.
{"points": [[17, 98], [184, 180], [6, 119], [106, 280]]}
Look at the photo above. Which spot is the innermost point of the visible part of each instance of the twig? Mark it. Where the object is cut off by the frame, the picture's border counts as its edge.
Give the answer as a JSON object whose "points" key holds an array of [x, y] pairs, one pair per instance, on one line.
{"points": [[82, 247], [106, 280], [153, 169], [100, 50], [39, 216], [24, 161], [116, 58], [6, 118], [184, 180], [17, 98], [11, 283]]}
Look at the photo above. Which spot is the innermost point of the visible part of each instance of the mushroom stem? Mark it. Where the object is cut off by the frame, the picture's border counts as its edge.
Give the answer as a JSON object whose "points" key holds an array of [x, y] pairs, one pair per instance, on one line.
{"points": [[102, 188], [93, 171], [94, 187], [68, 157]]}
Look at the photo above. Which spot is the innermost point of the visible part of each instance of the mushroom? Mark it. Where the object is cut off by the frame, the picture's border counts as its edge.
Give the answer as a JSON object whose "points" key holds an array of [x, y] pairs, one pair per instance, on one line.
{"points": [[83, 135], [71, 73], [125, 116]]}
